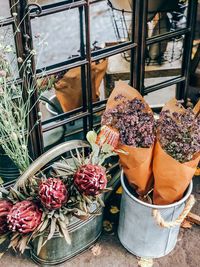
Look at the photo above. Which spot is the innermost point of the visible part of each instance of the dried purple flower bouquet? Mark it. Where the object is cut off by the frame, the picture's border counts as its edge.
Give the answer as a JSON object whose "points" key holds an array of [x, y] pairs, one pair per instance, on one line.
{"points": [[176, 152], [179, 134], [133, 120], [127, 112]]}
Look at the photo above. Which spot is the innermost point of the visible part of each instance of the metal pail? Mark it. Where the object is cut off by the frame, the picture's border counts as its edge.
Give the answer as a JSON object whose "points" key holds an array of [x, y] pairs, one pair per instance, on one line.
{"points": [[83, 234], [138, 231], [8, 170], [73, 130], [54, 135]]}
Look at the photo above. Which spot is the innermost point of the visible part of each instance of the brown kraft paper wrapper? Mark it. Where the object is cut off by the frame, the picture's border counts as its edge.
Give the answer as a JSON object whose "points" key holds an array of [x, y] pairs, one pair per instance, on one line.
{"points": [[69, 90], [137, 165], [171, 178]]}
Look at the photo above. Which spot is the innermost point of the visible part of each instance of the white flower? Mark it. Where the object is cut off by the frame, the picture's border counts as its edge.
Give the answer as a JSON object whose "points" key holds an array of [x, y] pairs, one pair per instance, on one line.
{"points": [[24, 147], [33, 52], [14, 136], [14, 14], [8, 49], [40, 114], [91, 137]]}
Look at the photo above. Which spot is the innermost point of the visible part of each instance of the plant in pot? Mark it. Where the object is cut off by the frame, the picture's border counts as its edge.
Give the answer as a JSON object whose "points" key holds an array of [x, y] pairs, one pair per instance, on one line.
{"points": [[14, 112], [178, 145], [163, 169], [15, 107], [40, 209], [127, 112]]}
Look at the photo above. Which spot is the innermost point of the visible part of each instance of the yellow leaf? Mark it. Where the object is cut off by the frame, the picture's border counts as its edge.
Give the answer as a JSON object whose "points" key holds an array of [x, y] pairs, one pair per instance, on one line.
{"points": [[107, 226], [145, 262], [1, 181], [96, 250], [1, 254], [119, 190], [197, 173], [114, 209]]}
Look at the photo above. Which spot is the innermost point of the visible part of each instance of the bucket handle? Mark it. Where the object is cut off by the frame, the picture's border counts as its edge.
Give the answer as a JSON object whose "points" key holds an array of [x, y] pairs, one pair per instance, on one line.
{"points": [[47, 157], [160, 221]]}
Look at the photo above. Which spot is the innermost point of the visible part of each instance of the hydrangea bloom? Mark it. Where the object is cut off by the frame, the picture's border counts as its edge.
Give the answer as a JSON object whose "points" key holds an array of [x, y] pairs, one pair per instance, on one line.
{"points": [[134, 122]]}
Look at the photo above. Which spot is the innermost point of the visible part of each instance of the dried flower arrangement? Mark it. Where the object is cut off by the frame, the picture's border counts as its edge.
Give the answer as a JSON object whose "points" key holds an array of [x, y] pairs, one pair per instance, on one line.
{"points": [[14, 113], [179, 134], [134, 122], [129, 114], [38, 206], [177, 152], [15, 102]]}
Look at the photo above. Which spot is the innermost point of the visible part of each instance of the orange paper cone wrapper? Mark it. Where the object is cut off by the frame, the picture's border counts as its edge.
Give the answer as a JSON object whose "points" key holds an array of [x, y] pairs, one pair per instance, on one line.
{"points": [[171, 178], [69, 89], [137, 165]]}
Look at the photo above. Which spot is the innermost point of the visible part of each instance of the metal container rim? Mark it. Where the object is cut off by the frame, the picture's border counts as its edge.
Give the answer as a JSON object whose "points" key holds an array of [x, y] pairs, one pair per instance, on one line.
{"points": [[49, 108], [188, 192]]}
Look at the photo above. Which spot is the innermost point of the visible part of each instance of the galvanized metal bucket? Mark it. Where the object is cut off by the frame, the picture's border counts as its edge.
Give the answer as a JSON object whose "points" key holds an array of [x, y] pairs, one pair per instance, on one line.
{"points": [[8, 170], [73, 130], [83, 234], [53, 136], [138, 231]]}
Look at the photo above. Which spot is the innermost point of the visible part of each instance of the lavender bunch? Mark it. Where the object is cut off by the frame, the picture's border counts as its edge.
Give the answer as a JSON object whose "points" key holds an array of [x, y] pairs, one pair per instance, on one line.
{"points": [[134, 122], [179, 134]]}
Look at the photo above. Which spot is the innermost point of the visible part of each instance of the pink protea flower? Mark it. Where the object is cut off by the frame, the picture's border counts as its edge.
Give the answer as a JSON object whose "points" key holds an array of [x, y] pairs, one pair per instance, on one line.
{"points": [[5, 207], [90, 179], [24, 217], [53, 193]]}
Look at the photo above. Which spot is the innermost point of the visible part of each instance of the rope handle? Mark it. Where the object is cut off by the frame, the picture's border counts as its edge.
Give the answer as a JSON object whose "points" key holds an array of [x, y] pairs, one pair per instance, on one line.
{"points": [[47, 157], [160, 221]]}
